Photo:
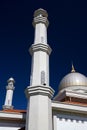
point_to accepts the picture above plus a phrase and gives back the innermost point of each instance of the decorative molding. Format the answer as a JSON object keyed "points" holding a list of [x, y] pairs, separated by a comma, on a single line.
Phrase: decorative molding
{"points": [[12, 116], [40, 11], [10, 87], [40, 19], [40, 16], [7, 107], [70, 93], [40, 47], [39, 90], [70, 108]]}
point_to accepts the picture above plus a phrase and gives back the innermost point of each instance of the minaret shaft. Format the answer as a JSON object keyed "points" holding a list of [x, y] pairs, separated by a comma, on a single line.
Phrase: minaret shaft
{"points": [[40, 68], [40, 51], [42, 113], [40, 33], [8, 100]]}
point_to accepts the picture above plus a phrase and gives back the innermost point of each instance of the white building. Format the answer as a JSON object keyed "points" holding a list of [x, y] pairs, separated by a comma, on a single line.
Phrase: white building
{"points": [[67, 110]]}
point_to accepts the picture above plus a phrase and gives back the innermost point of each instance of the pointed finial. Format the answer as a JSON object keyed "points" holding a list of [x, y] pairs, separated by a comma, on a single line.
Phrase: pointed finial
{"points": [[73, 69]]}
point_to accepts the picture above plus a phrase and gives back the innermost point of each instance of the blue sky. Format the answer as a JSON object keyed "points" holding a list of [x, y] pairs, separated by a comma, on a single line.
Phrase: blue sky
{"points": [[67, 36]]}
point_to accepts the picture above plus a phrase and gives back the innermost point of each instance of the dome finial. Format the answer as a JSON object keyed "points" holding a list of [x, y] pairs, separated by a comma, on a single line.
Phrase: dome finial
{"points": [[73, 69]]}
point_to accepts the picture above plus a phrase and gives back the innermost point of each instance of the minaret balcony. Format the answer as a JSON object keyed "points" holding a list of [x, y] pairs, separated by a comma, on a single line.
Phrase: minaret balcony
{"points": [[40, 47], [40, 19]]}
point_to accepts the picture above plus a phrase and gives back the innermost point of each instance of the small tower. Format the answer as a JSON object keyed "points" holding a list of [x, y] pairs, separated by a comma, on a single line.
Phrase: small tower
{"points": [[9, 94], [39, 93]]}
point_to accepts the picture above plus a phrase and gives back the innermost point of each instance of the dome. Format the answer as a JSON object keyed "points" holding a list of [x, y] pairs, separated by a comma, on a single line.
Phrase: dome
{"points": [[73, 79], [11, 80]]}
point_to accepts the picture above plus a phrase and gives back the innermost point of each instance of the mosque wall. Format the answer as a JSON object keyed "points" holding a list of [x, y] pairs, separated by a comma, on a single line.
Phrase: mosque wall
{"points": [[69, 122], [10, 126]]}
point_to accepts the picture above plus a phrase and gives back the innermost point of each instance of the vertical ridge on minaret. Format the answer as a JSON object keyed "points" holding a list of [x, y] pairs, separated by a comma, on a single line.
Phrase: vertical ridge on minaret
{"points": [[9, 94]]}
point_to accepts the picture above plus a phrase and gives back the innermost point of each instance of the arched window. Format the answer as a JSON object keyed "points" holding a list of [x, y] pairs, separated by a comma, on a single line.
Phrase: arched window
{"points": [[43, 78]]}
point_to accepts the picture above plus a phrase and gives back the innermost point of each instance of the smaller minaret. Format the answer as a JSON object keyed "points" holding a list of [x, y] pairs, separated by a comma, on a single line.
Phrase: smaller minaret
{"points": [[9, 94]]}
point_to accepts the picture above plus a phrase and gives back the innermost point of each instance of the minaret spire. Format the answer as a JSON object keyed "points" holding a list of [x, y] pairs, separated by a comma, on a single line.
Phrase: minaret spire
{"points": [[9, 94], [39, 93]]}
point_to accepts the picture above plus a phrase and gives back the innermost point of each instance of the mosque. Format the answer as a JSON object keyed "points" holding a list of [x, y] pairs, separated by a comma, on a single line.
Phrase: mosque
{"points": [[66, 111]]}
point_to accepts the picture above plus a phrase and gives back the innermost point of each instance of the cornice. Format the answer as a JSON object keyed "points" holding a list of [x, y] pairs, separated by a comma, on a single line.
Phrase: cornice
{"points": [[40, 47], [70, 108], [40, 19], [70, 93], [39, 90], [10, 87]]}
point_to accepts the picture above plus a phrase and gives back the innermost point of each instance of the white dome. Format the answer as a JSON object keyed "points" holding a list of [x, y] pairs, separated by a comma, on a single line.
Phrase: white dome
{"points": [[73, 79], [11, 80]]}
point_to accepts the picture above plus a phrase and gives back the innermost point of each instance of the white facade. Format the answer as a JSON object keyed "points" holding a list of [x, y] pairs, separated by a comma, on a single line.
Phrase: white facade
{"points": [[10, 120], [68, 109], [69, 116], [71, 122]]}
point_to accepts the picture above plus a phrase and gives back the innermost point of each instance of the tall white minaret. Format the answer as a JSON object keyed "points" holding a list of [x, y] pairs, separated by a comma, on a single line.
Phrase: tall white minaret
{"points": [[9, 94], [39, 93], [40, 50]]}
